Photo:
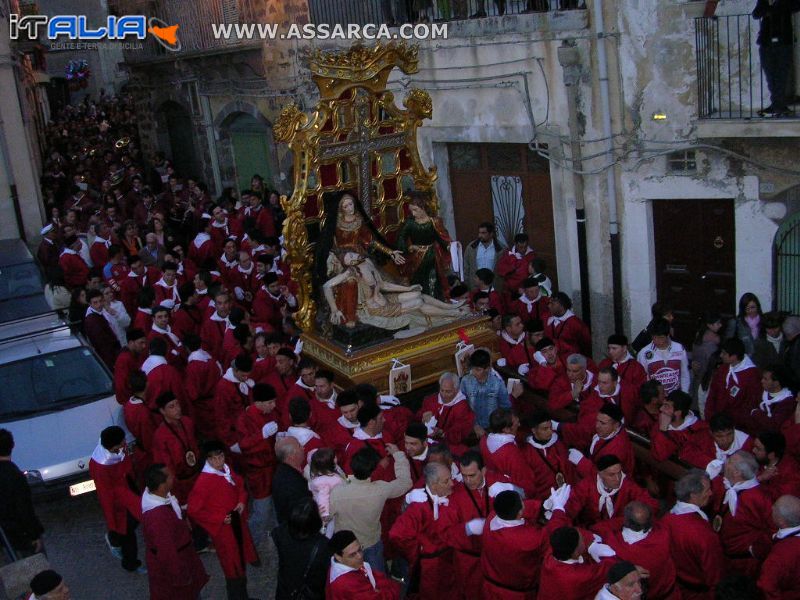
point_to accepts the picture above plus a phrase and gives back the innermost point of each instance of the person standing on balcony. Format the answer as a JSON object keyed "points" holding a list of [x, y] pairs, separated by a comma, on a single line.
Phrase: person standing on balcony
{"points": [[775, 38]]}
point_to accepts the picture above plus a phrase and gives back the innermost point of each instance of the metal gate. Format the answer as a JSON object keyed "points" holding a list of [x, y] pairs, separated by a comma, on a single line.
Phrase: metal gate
{"points": [[787, 267]]}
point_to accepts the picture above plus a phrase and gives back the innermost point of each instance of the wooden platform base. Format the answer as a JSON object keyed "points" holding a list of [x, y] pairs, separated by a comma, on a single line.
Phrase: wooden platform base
{"points": [[429, 354]]}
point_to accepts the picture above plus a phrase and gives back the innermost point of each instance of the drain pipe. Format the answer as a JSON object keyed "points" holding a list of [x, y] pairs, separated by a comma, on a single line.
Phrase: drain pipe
{"points": [[611, 181], [570, 60]]}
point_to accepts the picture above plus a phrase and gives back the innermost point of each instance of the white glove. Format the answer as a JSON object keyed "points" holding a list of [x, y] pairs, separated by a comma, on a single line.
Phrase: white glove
{"points": [[431, 425], [298, 347], [475, 526], [501, 362], [558, 498], [500, 486], [539, 358], [239, 293], [598, 550], [523, 369], [418, 495], [575, 456], [235, 448], [555, 425], [714, 468], [269, 429]]}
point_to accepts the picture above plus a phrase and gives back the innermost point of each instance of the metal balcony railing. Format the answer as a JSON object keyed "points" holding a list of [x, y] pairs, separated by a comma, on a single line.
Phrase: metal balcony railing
{"points": [[730, 83], [392, 12]]}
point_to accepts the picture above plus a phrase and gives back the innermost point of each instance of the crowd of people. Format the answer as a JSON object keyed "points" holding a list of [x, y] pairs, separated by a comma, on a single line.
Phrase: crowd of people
{"points": [[520, 479]]}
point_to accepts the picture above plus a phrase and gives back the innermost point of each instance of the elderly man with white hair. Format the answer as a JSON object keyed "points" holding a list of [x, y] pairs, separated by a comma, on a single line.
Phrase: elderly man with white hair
{"points": [[447, 414], [780, 573], [743, 514]]}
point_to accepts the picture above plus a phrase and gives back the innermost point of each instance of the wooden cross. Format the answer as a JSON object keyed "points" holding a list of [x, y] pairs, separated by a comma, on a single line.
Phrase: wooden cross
{"points": [[361, 148]]}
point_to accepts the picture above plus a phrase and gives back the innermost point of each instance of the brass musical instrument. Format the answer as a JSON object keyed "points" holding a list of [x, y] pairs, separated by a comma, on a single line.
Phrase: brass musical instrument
{"points": [[122, 142]]}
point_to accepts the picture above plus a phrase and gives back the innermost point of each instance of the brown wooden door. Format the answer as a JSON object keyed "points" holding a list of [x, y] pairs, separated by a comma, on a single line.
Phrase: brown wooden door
{"points": [[471, 169], [695, 260]]}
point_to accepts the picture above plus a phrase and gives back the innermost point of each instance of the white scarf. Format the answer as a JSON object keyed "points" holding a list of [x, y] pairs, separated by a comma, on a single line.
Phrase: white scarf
{"points": [[242, 271], [746, 363], [168, 332], [104, 457], [442, 404], [172, 288], [589, 380], [68, 251], [135, 400], [768, 400], [437, 502], [151, 501], [228, 264], [495, 441], [606, 497], [330, 402], [200, 239], [513, 252], [207, 468], [387, 402], [497, 523], [200, 356], [360, 434], [338, 569], [346, 424], [572, 561], [689, 420], [739, 439], [216, 224], [528, 302], [147, 311], [605, 594], [300, 383], [532, 441], [511, 340], [153, 361], [215, 317], [301, 434], [732, 492], [775, 341], [686, 508], [626, 359], [631, 537], [422, 456], [554, 320], [244, 386], [786, 532], [98, 239], [612, 395], [103, 313], [596, 439]]}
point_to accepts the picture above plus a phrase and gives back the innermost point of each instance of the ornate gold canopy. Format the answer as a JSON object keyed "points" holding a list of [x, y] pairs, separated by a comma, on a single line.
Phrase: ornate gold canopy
{"points": [[355, 139]]}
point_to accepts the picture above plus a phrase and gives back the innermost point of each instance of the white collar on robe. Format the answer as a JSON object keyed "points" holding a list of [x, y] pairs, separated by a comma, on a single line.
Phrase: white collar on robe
{"points": [[631, 537], [229, 264], [497, 523], [605, 593], [338, 569], [207, 468], [510, 340], [200, 239], [611, 395], [104, 457], [360, 434], [767, 400], [458, 398], [167, 332], [528, 302], [347, 424], [300, 383], [626, 359], [153, 361], [244, 386], [495, 441], [596, 438], [689, 420], [532, 441], [554, 320], [199, 355], [151, 501], [606, 500], [745, 363], [685, 508], [301, 434], [739, 439], [732, 492]]}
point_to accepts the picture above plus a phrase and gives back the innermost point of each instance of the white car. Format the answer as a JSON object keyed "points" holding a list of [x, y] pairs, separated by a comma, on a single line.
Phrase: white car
{"points": [[56, 396]]}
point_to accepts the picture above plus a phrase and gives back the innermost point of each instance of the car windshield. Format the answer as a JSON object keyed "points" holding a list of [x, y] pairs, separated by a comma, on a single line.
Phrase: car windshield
{"points": [[48, 382], [20, 280]]}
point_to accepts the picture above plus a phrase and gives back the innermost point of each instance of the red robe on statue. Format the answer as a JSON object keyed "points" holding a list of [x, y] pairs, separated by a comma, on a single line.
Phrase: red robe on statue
{"points": [[212, 499], [174, 570]]}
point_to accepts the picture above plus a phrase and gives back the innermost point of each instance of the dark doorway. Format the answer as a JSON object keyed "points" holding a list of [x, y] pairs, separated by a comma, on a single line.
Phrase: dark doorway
{"points": [[481, 172], [178, 125], [695, 250]]}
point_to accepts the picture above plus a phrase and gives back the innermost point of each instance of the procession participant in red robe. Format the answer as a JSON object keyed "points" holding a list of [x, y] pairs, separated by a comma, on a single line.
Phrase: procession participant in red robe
{"points": [[143, 317], [651, 399], [630, 371], [242, 279], [606, 495], [569, 572], [340, 433], [581, 378], [202, 375], [201, 250], [370, 433], [501, 453], [547, 373], [547, 456], [447, 415], [779, 578], [212, 331], [485, 296], [228, 260], [265, 347], [97, 326], [175, 445], [218, 503], [532, 304], [98, 251], [309, 440], [396, 416], [416, 534], [176, 353], [48, 252], [202, 282], [416, 449], [607, 391], [709, 449], [570, 334], [262, 216], [777, 400], [282, 378], [138, 277], [676, 428], [231, 397], [76, 271], [130, 359], [255, 431], [224, 227], [736, 386], [303, 387], [351, 577], [625, 582], [648, 544], [514, 545], [271, 301], [174, 570], [166, 288], [742, 514], [513, 342], [513, 264], [188, 317], [694, 545], [116, 271], [163, 377], [141, 422], [610, 439], [779, 473], [324, 411], [112, 473]]}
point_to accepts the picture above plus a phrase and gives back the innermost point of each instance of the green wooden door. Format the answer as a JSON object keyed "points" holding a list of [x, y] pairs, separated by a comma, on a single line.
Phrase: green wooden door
{"points": [[787, 271], [250, 150]]}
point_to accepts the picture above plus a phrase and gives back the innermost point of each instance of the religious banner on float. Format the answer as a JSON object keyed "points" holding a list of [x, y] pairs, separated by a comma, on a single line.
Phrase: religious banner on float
{"points": [[463, 352], [399, 378]]}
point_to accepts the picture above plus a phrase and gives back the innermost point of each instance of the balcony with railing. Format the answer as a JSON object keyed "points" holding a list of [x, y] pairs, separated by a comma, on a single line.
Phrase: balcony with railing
{"points": [[733, 98]]}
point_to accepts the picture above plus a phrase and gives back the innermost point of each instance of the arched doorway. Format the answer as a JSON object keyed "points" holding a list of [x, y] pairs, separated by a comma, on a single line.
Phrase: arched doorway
{"points": [[177, 139], [250, 146], [787, 265]]}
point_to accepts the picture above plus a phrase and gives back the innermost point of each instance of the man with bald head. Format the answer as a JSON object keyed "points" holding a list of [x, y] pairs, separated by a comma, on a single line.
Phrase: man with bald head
{"points": [[780, 573], [288, 484]]}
